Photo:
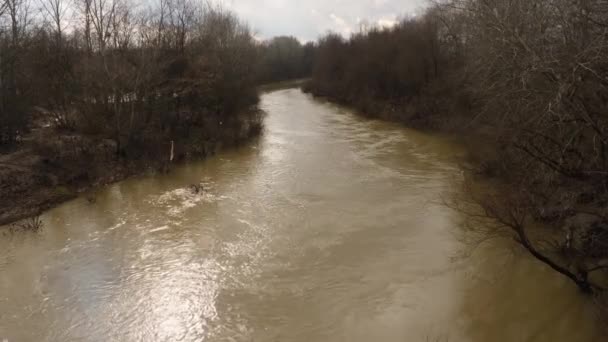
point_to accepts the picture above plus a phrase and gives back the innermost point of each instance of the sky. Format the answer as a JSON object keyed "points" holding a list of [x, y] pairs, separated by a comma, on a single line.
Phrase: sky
{"points": [[309, 19]]}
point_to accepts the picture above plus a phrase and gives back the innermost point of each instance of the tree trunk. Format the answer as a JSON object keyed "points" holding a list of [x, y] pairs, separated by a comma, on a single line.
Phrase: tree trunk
{"points": [[581, 281]]}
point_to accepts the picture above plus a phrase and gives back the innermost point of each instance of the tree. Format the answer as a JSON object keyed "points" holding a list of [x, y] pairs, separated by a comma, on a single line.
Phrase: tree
{"points": [[14, 110], [538, 71], [285, 58]]}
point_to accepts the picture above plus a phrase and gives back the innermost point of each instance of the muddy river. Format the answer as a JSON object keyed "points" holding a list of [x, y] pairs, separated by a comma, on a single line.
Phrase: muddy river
{"points": [[329, 227]]}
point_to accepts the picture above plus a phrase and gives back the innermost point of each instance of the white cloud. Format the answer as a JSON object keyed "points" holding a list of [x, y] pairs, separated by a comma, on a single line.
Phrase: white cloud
{"points": [[387, 23], [308, 19], [340, 25]]}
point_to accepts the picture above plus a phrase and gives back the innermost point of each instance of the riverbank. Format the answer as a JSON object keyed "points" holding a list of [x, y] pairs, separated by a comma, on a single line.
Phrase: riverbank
{"points": [[297, 83], [51, 166], [422, 112]]}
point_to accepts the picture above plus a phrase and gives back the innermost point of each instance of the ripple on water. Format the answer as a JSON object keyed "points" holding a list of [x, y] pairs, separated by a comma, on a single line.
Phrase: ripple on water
{"points": [[177, 201]]}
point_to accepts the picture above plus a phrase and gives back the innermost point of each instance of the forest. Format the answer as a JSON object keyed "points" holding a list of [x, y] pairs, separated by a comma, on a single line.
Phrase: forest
{"points": [[525, 85]]}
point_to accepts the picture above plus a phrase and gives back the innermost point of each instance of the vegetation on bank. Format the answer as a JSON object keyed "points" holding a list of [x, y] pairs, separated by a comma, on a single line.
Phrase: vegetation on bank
{"points": [[134, 78], [529, 79], [285, 58], [93, 91]]}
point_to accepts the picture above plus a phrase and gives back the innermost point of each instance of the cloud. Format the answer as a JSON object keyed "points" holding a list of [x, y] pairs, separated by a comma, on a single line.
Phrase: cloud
{"points": [[387, 23], [341, 25], [310, 19]]}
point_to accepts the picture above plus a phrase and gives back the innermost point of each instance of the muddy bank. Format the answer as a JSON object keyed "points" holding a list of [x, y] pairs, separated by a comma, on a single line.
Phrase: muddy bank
{"points": [[30, 185], [50, 167]]}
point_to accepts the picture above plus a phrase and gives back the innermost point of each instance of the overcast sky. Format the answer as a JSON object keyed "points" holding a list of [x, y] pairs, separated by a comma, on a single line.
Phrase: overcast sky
{"points": [[308, 19]]}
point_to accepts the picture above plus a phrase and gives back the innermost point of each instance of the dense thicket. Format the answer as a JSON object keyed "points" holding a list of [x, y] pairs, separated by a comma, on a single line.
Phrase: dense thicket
{"points": [[530, 80], [131, 77], [390, 72], [285, 58]]}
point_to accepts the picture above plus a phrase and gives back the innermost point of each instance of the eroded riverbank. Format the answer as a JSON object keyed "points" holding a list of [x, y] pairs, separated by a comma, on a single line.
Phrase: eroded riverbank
{"points": [[52, 166], [329, 228]]}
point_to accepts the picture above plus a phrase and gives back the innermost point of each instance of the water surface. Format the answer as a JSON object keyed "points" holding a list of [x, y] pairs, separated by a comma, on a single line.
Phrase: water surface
{"points": [[329, 228]]}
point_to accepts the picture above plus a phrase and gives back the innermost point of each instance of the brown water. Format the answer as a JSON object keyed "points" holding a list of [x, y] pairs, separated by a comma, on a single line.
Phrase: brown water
{"points": [[326, 229]]}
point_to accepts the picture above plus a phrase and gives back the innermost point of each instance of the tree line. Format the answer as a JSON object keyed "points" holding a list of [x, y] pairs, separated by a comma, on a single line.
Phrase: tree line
{"points": [[527, 79], [134, 76], [285, 58]]}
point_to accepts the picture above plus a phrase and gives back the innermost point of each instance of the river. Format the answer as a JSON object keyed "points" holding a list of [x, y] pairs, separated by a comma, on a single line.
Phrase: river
{"points": [[329, 227]]}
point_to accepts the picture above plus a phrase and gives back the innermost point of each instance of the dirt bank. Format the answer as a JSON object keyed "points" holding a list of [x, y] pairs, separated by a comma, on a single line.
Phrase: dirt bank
{"points": [[49, 167]]}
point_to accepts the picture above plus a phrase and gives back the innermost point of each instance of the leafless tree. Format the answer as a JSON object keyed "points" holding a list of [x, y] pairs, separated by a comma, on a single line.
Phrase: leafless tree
{"points": [[57, 11]]}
